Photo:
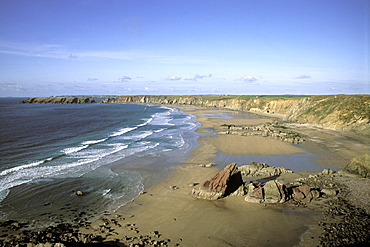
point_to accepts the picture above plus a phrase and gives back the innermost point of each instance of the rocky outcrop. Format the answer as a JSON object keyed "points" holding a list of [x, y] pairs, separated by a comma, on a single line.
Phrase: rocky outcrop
{"points": [[274, 130], [275, 191], [229, 183], [271, 192], [262, 170], [220, 185], [59, 100], [359, 165]]}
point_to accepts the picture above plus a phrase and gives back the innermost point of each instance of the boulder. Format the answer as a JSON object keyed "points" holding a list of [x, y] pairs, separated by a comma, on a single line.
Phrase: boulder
{"points": [[329, 192], [275, 192], [272, 191], [304, 193], [256, 196], [359, 165], [327, 172], [220, 185], [226, 181], [262, 170], [79, 193]]}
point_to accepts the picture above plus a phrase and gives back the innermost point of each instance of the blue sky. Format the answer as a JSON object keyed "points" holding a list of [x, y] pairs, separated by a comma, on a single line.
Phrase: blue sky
{"points": [[59, 47]]}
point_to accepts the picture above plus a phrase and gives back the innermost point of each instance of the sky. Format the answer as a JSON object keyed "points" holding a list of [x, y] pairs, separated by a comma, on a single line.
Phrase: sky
{"points": [[184, 47]]}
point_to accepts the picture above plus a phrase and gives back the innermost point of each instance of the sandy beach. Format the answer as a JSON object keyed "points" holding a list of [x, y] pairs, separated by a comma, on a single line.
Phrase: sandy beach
{"points": [[166, 213], [169, 209]]}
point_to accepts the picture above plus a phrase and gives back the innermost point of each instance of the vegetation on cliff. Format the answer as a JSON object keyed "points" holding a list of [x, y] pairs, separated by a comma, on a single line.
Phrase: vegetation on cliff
{"points": [[58, 100], [339, 112]]}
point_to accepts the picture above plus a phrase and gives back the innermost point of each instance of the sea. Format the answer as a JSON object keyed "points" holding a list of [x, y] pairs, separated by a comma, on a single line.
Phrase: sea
{"points": [[109, 152]]}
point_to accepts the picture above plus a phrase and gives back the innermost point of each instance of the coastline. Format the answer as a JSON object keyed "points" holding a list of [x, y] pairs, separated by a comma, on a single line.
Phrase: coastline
{"points": [[167, 212], [169, 209]]}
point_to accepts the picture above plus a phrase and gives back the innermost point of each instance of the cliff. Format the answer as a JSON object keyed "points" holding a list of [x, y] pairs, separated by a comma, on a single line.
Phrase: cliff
{"points": [[338, 112], [58, 100], [261, 104]]}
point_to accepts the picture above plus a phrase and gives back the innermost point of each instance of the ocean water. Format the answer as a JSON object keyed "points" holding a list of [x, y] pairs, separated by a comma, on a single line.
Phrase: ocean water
{"points": [[110, 152]]}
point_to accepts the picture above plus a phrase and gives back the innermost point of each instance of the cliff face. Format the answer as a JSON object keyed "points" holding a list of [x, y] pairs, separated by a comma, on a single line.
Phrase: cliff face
{"points": [[277, 105], [338, 112], [59, 100]]}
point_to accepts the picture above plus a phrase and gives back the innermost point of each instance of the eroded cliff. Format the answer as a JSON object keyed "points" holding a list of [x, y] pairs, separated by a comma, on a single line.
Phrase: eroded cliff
{"points": [[338, 112]]}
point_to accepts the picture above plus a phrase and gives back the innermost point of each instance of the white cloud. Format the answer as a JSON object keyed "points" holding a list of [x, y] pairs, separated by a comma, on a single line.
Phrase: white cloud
{"points": [[249, 78], [173, 78], [6, 86], [198, 77]]}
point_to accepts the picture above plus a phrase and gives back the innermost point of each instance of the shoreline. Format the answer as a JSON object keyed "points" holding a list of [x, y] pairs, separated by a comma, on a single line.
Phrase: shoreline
{"points": [[177, 215], [167, 213]]}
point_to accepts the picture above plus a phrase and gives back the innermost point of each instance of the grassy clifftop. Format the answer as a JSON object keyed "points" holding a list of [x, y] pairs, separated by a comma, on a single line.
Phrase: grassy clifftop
{"points": [[340, 112]]}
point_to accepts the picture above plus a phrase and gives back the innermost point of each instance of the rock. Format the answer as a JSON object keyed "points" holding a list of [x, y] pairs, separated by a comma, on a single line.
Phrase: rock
{"points": [[220, 185], [226, 181], [327, 172], [209, 165], [59, 245], [304, 193], [79, 193], [206, 194], [262, 170], [249, 187], [359, 165], [271, 192], [275, 192], [241, 191], [256, 196], [329, 192]]}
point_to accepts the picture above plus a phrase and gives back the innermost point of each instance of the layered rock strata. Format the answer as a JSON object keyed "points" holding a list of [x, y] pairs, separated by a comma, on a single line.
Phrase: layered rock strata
{"points": [[220, 185]]}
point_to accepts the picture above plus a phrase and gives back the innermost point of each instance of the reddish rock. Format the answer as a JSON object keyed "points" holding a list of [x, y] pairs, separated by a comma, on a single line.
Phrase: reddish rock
{"points": [[297, 195], [305, 189], [256, 196], [226, 181]]}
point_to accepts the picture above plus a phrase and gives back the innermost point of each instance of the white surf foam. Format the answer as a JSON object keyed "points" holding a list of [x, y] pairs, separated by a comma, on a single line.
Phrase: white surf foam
{"points": [[73, 149], [93, 141], [17, 168], [123, 131]]}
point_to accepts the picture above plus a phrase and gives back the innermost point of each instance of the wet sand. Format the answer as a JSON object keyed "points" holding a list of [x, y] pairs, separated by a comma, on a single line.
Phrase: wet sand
{"points": [[169, 208]]}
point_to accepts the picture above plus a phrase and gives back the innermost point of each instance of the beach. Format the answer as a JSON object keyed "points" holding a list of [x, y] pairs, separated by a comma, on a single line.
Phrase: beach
{"points": [[166, 213], [169, 209]]}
